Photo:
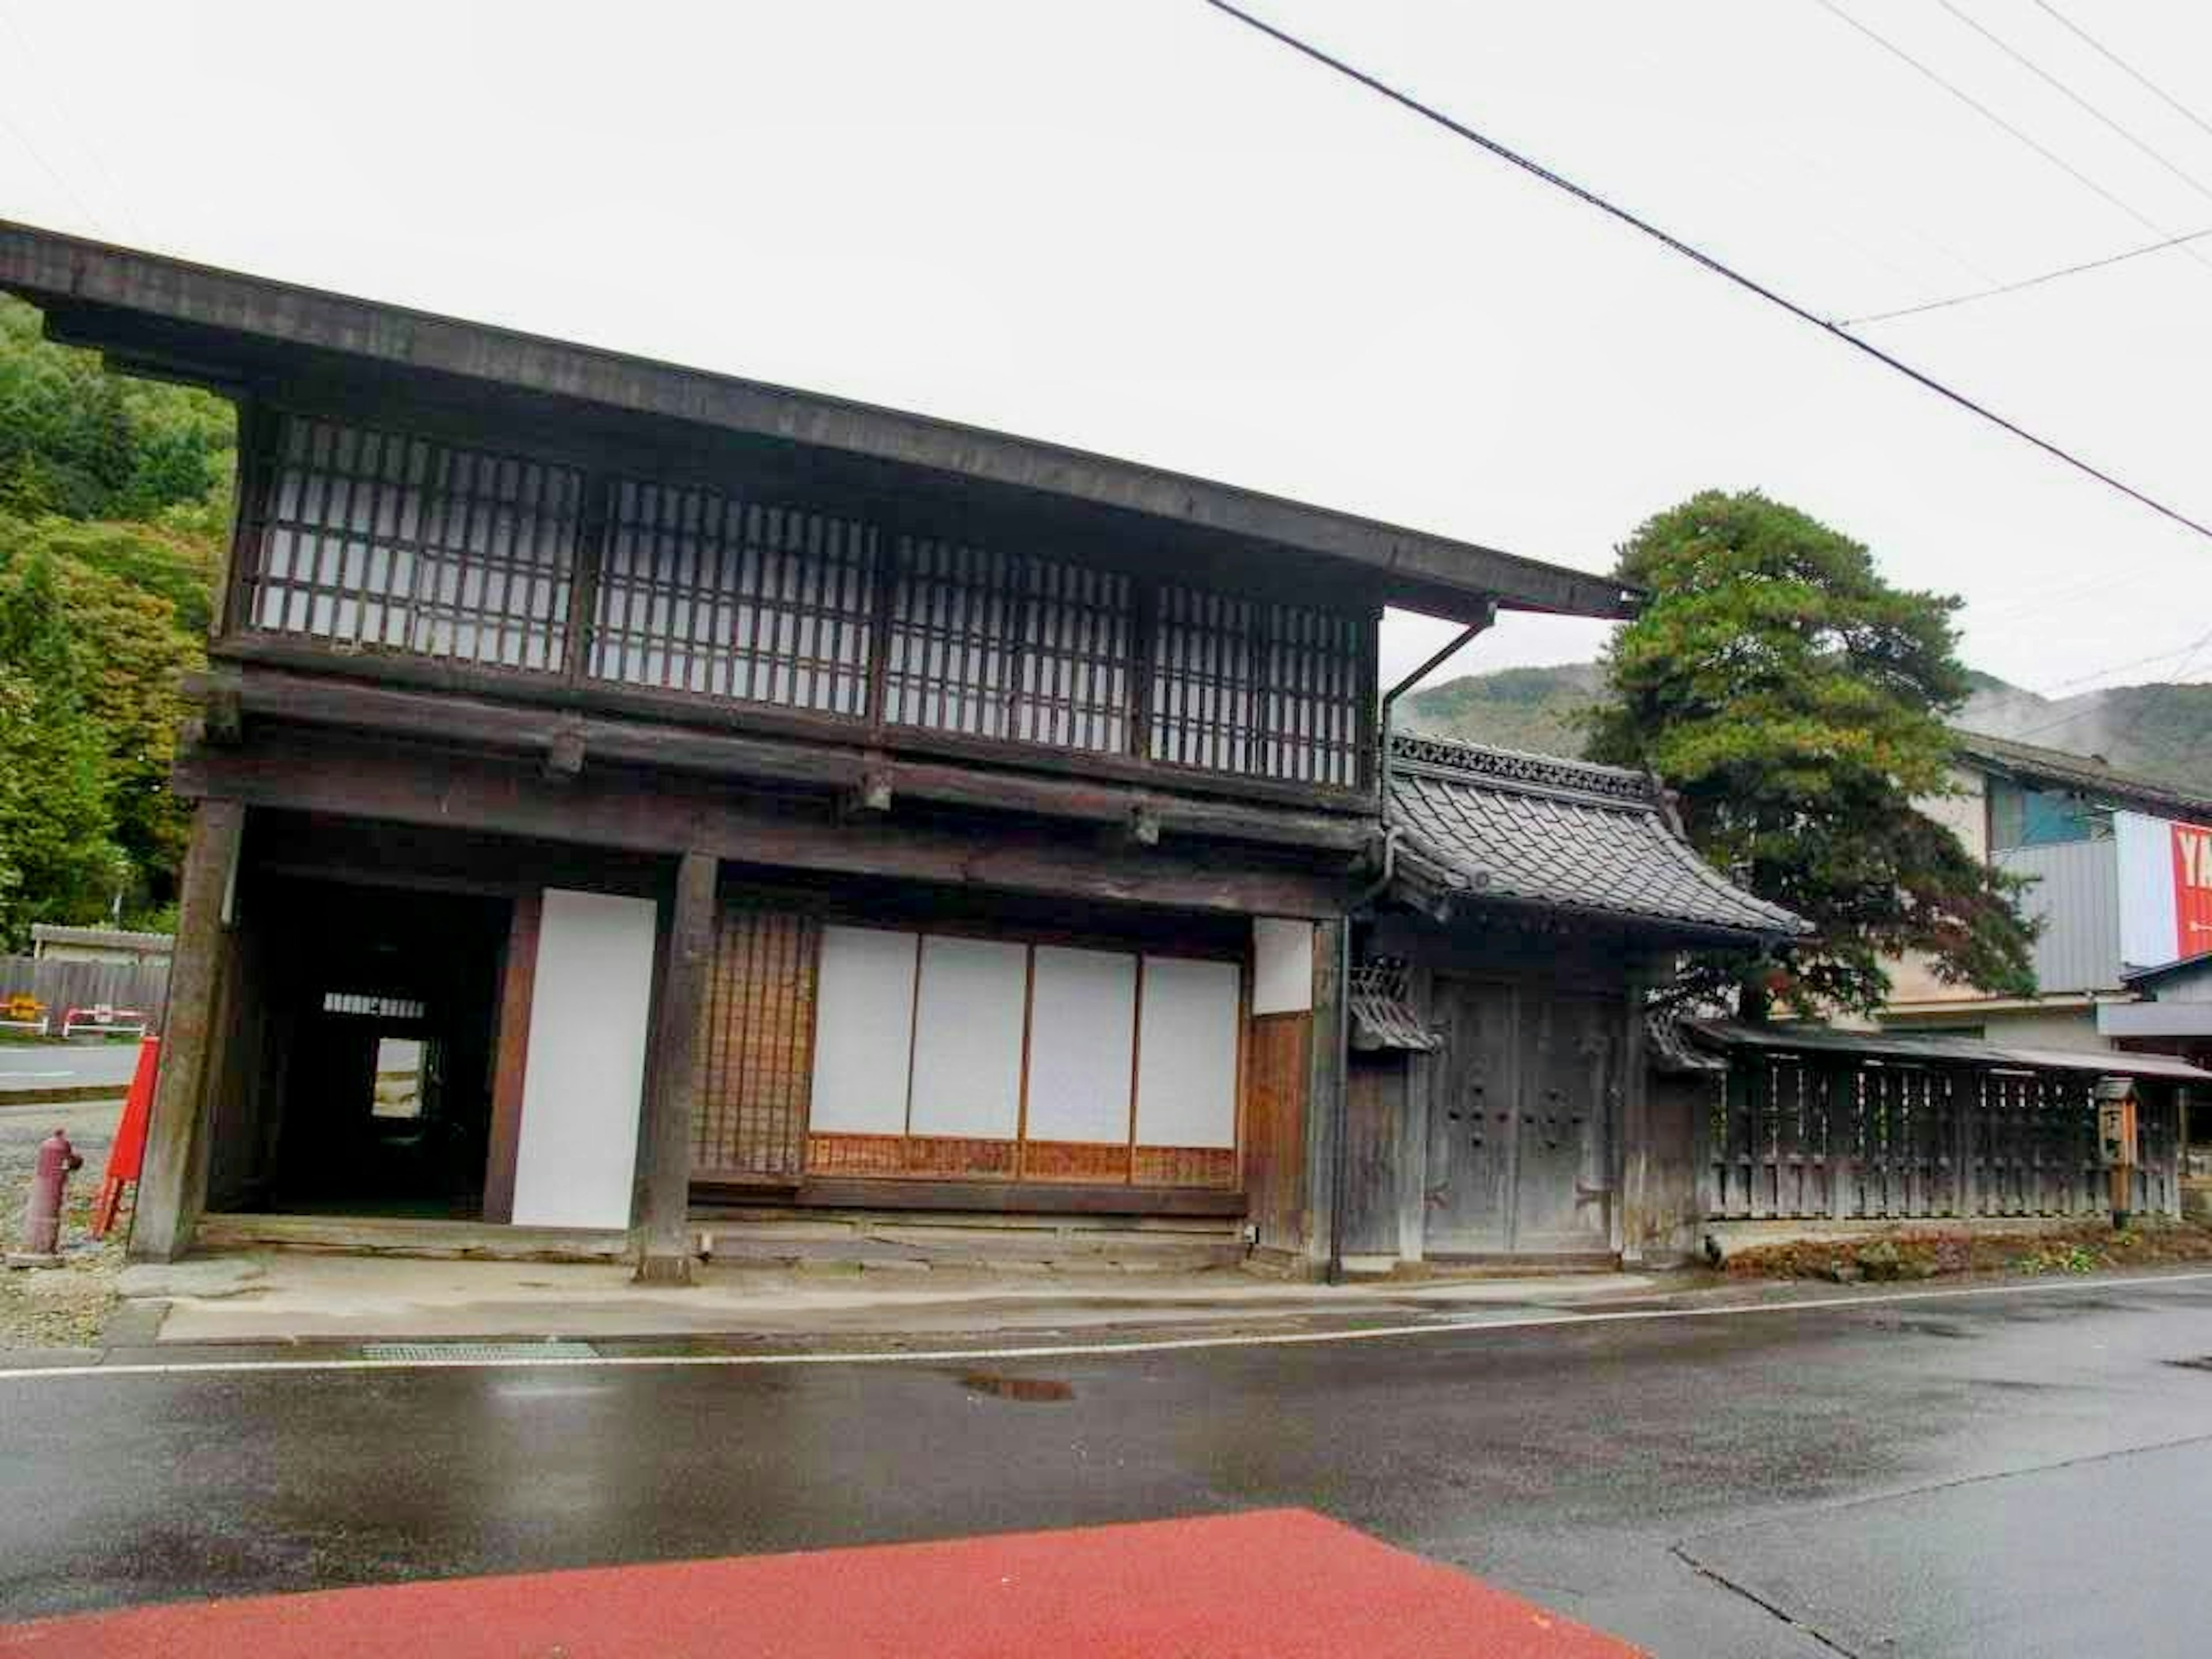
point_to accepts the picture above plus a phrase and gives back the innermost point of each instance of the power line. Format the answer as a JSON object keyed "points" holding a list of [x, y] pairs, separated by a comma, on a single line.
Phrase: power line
{"points": [[99, 161], [2075, 98], [1990, 115], [1428, 113], [2027, 282], [53, 173], [2122, 667], [2159, 693], [2124, 66]]}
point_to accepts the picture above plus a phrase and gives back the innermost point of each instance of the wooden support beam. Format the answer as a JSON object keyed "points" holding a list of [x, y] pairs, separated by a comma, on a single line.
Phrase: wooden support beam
{"points": [[564, 753], [651, 812], [1324, 1083], [855, 766], [172, 1188], [518, 976], [664, 1254]]}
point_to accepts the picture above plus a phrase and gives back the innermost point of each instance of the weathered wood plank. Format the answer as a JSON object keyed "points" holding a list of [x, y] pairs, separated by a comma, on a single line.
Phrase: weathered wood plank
{"points": [[1324, 1081], [171, 1188], [840, 763], [519, 974], [856, 1192], [664, 1254], [618, 808]]}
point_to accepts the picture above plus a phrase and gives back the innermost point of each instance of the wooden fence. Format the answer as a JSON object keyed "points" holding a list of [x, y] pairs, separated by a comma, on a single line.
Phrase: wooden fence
{"points": [[142, 988], [1806, 1136]]}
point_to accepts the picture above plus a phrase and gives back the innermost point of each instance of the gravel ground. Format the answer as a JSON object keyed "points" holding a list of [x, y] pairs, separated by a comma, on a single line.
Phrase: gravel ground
{"points": [[62, 1307]]}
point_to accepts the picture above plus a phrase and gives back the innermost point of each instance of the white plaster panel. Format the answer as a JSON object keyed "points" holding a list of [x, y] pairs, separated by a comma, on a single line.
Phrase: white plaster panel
{"points": [[2149, 923], [1282, 966], [1083, 1034], [968, 1039], [1187, 1053], [591, 1009], [863, 1031]]}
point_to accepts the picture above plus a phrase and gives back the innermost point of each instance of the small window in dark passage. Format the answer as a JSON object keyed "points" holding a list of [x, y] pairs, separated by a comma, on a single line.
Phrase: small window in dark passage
{"points": [[400, 1064]]}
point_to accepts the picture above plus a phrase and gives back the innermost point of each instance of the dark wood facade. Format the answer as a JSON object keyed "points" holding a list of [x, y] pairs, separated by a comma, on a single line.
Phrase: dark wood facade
{"points": [[728, 717]]}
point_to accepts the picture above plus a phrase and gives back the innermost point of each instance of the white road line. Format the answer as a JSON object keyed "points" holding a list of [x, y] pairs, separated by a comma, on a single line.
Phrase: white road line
{"points": [[1081, 1350]]}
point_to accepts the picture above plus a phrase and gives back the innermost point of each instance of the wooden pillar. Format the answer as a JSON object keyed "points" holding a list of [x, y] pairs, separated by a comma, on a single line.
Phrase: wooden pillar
{"points": [[1632, 1134], [1324, 1079], [664, 1253], [518, 977], [1410, 1156], [173, 1184]]}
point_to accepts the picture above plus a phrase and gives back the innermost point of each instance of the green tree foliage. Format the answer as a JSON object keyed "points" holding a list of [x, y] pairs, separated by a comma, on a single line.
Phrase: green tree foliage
{"points": [[114, 499], [1796, 703], [57, 821], [82, 443]]}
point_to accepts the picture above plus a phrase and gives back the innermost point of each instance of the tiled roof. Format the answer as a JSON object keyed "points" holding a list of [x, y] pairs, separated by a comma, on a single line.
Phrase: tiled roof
{"points": [[1562, 833], [2087, 773]]}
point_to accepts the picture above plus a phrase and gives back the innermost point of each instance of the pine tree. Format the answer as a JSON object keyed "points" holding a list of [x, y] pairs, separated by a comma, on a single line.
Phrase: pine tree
{"points": [[1795, 701]]}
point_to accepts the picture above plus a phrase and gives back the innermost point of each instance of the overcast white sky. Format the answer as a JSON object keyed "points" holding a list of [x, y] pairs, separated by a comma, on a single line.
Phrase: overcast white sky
{"points": [[1139, 228]]}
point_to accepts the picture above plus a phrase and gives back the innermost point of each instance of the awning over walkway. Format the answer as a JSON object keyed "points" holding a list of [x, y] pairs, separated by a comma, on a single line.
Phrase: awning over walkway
{"points": [[1792, 1038], [1496, 826]]}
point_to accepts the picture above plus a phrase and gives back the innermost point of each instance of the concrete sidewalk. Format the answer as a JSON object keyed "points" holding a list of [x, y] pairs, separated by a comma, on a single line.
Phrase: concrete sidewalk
{"points": [[259, 1298]]}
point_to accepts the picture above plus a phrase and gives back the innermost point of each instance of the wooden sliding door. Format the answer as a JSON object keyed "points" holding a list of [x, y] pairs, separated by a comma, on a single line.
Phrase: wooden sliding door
{"points": [[839, 1050]]}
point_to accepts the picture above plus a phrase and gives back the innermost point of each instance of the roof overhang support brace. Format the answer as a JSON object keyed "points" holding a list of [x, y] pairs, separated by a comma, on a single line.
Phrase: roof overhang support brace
{"points": [[1390, 697]]}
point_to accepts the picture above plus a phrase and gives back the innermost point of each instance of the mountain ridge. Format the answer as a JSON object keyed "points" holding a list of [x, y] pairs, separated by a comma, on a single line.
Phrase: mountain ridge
{"points": [[2163, 730]]}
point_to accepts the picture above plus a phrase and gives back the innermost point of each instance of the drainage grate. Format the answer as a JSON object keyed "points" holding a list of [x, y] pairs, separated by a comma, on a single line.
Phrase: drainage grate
{"points": [[479, 1352]]}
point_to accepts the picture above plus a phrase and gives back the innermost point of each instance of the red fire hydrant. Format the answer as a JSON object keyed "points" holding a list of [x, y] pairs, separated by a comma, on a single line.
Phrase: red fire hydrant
{"points": [[42, 1216]]}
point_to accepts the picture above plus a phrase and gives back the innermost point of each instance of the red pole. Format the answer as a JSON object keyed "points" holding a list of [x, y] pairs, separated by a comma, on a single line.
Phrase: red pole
{"points": [[128, 1155]]}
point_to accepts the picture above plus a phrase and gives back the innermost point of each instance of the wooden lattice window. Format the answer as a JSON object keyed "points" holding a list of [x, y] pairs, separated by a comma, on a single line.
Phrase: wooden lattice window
{"points": [[1245, 685], [750, 1119], [989, 644], [952, 638], [1312, 704], [1203, 691], [382, 541], [705, 593], [1072, 688]]}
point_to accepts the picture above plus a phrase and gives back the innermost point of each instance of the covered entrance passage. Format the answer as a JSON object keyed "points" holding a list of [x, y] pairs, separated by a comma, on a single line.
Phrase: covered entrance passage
{"points": [[1526, 1102], [373, 1070]]}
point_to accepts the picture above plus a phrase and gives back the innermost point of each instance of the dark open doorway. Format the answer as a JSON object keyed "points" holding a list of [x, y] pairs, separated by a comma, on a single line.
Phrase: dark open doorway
{"points": [[382, 1039]]}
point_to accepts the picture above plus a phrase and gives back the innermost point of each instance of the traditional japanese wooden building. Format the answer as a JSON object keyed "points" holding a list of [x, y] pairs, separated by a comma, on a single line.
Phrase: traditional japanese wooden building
{"points": [[627, 794]]}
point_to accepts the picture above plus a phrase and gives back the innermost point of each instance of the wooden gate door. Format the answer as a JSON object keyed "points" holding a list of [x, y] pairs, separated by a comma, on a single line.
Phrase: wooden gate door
{"points": [[1469, 1200], [1563, 1142], [1527, 1093]]}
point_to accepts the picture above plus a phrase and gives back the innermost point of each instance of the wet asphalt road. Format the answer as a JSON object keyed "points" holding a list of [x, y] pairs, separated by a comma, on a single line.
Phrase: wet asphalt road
{"points": [[1988, 1474], [30, 1068]]}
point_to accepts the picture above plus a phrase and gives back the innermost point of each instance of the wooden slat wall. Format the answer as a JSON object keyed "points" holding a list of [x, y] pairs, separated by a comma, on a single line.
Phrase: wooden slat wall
{"points": [[758, 1046], [1816, 1137]]}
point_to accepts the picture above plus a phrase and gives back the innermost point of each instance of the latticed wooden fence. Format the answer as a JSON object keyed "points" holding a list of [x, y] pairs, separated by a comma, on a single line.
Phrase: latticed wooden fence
{"points": [[1846, 1138]]}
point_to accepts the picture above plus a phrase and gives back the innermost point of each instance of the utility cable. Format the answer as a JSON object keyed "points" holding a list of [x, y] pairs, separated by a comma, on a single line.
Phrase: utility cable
{"points": [[1990, 115], [1430, 112], [2026, 282], [2124, 66], [2075, 98]]}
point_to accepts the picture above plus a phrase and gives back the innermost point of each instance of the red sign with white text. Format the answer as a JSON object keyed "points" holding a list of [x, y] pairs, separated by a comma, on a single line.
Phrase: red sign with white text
{"points": [[2193, 890]]}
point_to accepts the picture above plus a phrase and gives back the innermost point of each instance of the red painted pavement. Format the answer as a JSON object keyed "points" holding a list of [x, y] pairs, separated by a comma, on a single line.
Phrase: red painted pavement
{"points": [[1285, 1583]]}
